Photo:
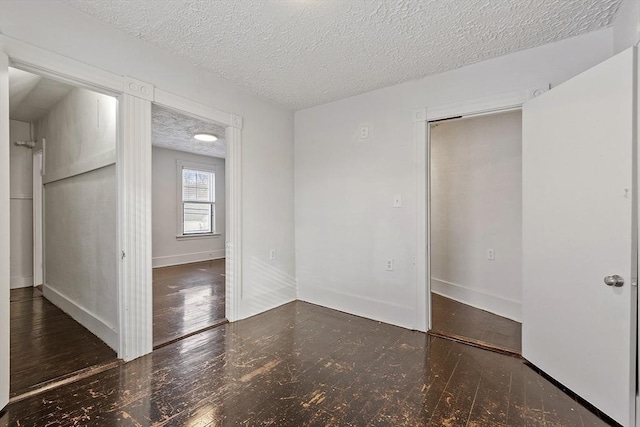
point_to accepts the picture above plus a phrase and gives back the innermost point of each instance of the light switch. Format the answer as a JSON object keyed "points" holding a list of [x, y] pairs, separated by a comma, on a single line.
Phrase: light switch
{"points": [[397, 201]]}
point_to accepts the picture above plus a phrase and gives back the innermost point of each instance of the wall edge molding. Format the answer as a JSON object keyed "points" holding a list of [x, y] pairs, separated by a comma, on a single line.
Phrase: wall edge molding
{"points": [[169, 260], [83, 316], [99, 161], [378, 310], [482, 300], [16, 282]]}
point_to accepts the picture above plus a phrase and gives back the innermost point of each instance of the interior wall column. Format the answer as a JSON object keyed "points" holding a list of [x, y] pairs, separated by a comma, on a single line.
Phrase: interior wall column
{"points": [[233, 200], [134, 198]]}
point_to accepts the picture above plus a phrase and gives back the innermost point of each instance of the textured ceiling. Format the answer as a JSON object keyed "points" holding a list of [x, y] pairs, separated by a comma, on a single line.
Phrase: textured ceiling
{"points": [[175, 131], [300, 53]]}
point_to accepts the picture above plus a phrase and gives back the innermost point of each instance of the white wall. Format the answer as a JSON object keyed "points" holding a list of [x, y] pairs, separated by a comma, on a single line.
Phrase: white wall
{"points": [[476, 205], [346, 226], [267, 134], [21, 165], [167, 249], [80, 254], [626, 27]]}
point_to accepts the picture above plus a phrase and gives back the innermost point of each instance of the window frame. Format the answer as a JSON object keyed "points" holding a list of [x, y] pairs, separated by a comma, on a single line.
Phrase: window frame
{"points": [[200, 167]]}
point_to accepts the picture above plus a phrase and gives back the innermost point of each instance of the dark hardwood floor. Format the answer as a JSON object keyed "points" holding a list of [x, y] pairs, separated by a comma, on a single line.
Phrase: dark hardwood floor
{"points": [[454, 318], [187, 298], [46, 343], [300, 365]]}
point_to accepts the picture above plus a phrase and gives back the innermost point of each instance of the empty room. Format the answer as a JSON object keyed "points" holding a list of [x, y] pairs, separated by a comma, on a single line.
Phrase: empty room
{"points": [[405, 213], [188, 225]]}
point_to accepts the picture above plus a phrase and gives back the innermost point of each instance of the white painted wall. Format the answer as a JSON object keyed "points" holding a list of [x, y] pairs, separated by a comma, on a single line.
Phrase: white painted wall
{"points": [[21, 165], [80, 210], [267, 134], [167, 249], [346, 226], [476, 205], [626, 27]]}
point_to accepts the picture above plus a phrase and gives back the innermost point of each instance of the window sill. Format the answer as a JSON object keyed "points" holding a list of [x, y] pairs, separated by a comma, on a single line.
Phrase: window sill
{"points": [[196, 236]]}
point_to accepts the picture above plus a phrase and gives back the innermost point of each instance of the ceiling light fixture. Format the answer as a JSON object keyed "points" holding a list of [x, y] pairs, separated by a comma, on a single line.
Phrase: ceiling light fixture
{"points": [[207, 137]]}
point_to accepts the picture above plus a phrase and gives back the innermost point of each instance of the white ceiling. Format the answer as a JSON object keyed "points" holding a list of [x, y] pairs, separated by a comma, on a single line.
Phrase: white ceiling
{"points": [[175, 131], [31, 96], [300, 53]]}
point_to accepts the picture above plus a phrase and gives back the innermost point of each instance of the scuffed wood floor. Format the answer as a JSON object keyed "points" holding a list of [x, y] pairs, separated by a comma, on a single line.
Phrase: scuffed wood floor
{"points": [[46, 343], [451, 317], [300, 365], [187, 298]]}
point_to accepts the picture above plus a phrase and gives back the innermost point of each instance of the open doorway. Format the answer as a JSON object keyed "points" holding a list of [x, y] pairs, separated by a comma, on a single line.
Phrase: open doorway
{"points": [[63, 297], [476, 229], [189, 225]]}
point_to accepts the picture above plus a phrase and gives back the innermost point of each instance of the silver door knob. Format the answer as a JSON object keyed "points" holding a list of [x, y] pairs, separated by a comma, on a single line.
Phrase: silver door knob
{"points": [[614, 280]]}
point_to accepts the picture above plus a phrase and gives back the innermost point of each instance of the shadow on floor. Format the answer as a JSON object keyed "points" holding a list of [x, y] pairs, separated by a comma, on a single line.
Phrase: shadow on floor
{"points": [[462, 321]]}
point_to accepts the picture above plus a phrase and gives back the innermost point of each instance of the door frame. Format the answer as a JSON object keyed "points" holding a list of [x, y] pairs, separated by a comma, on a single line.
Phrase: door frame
{"points": [[233, 190], [38, 217], [133, 165], [422, 119]]}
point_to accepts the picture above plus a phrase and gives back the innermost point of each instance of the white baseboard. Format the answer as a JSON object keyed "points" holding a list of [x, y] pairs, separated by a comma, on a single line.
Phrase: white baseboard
{"points": [[87, 319], [16, 282], [381, 311], [482, 300], [255, 305], [166, 261]]}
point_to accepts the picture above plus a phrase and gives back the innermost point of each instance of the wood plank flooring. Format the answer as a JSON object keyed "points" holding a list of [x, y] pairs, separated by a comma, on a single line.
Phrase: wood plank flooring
{"points": [[451, 317], [304, 365], [187, 298], [46, 343]]}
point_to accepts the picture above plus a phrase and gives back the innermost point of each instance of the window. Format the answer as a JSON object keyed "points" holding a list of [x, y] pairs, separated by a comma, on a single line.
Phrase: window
{"points": [[197, 188]]}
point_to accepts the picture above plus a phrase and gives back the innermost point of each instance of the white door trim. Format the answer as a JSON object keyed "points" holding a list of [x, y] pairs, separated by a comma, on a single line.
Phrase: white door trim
{"points": [[38, 250], [4, 227], [134, 180], [421, 118]]}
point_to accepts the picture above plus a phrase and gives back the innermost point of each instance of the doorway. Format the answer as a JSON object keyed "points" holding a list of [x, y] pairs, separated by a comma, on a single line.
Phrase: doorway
{"points": [[63, 297], [189, 225], [476, 229]]}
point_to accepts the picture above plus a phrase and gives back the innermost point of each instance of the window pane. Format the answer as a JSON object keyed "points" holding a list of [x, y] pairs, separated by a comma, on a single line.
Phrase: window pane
{"points": [[197, 218], [197, 186]]}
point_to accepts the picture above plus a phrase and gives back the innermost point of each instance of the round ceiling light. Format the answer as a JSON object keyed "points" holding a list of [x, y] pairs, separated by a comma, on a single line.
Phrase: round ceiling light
{"points": [[207, 137]]}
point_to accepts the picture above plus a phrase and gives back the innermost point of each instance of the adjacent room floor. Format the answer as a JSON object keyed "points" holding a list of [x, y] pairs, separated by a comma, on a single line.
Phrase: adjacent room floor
{"points": [[460, 320], [48, 344], [300, 365], [186, 299]]}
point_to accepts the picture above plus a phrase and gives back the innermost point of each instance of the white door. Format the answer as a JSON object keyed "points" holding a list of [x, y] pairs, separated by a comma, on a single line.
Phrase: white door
{"points": [[37, 219], [578, 214], [4, 229]]}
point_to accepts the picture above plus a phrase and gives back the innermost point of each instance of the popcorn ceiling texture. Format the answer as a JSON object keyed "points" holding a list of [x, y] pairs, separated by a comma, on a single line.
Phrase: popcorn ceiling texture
{"points": [[301, 53], [175, 131]]}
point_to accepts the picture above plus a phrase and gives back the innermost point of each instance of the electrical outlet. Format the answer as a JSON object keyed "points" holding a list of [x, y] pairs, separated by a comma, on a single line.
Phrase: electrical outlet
{"points": [[272, 254], [389, 264], [364, 132], [491, 254]]}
